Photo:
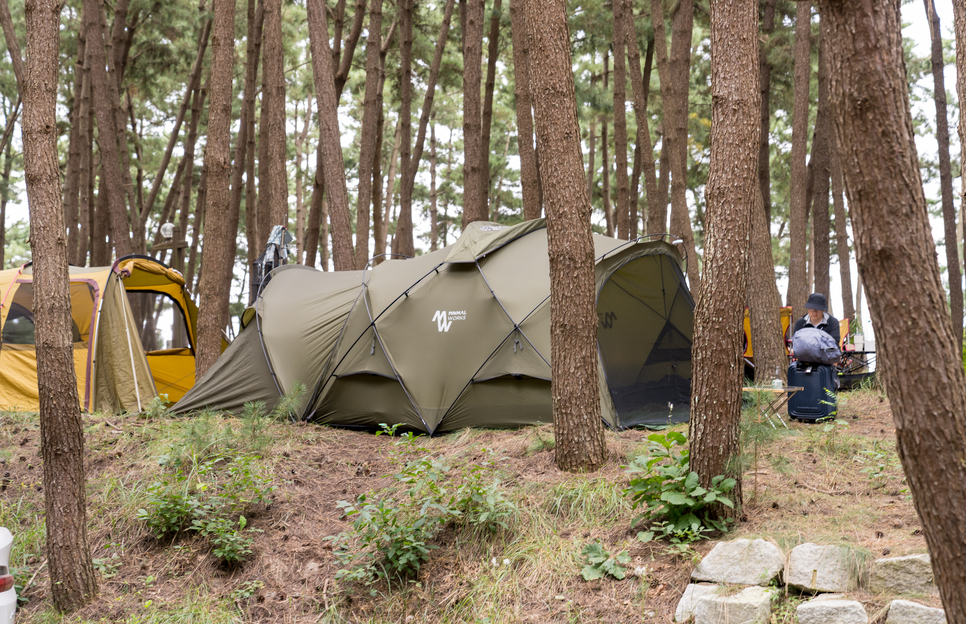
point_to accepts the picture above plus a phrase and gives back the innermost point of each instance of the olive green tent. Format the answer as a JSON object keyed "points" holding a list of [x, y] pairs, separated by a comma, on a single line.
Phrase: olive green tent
{"points": [[459, 337]]}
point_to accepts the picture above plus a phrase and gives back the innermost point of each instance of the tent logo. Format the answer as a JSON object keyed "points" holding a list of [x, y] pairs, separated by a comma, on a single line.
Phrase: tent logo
{"points": [[444, 320], [493, 228], [607, 320]]}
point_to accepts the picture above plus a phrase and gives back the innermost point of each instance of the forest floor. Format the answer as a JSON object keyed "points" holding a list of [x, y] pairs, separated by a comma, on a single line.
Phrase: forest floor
{"points": [[829, 483]]}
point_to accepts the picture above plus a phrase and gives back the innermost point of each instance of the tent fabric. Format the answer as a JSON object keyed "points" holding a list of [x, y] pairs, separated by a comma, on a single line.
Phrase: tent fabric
{"points": [[460, 337], [113, 371]]}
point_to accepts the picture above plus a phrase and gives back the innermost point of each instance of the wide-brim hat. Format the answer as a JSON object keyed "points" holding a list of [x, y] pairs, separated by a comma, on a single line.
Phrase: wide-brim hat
{"points": [[816, 301]]}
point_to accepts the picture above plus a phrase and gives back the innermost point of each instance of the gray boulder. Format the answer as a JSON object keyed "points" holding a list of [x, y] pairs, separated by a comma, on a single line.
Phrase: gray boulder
{"points": [[742, 562], [689, 600], [837, 611], [812, 567], [905, 612], [902, 575], [751, 606]]}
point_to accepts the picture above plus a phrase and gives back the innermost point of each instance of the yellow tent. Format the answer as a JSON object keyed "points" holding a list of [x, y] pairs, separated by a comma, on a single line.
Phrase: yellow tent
{"points": [[114, 371]]}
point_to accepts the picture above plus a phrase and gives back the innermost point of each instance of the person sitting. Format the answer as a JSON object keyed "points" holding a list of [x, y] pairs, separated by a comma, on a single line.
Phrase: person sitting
{"points": [[817, 316]]}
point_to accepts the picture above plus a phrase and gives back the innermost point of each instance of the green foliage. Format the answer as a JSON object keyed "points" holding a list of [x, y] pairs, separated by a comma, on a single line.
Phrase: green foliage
{"points": [[392, 529], [599, 563], [669, 490], [107, 566], [209, 499], [157, 407]]}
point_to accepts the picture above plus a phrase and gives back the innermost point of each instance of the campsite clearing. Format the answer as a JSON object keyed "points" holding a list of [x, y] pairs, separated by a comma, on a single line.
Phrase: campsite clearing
{"points": [[830, 483]]}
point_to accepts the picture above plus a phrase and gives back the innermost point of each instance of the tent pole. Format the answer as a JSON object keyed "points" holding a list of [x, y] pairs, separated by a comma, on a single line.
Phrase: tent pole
{"points": [[134, 373]]}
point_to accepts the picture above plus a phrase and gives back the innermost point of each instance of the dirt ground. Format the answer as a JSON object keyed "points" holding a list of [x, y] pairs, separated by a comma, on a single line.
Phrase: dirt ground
{"points": [[806, 486]]}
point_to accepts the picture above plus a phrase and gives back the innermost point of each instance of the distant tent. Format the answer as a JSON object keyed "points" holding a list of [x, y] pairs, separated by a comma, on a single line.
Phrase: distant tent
{"points": [[114, 371], [459, 337]]}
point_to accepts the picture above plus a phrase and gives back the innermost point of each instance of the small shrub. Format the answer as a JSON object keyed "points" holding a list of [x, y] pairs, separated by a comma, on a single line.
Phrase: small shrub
{"points": [[599, 563], [668, 489], [210, 500]]}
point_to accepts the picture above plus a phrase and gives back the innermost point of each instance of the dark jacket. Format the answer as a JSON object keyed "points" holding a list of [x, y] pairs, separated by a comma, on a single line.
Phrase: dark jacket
{"points": [[830, 326]]}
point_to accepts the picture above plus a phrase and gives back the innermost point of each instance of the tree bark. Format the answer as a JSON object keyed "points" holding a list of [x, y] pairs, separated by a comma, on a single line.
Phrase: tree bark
{"points": [[344, 59], [368, 135], [252, 54], [300, 216], [763, 297], [529, 176], [474, 159], [732, 178], [492, 52], [946, 176], [764, 156], [330, 148], [409, 163], [273, 179], [842, 235], [74, 149], [13, 45], [106, 98], [433, 226], [897, 264], [4, 198], [73, 582], [388, 196], [674, 76], [641, 85], [821, 170], [798, 206], [219, 250], [580, 444], [620, 121], [959, 18]]}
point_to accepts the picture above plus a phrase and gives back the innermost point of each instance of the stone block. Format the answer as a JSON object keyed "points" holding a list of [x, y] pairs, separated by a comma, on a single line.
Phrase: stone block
{"points": [[822, 568], [751, 606], [906, 612], [838, 611], [902, 575], [741, 562], [689, 600]]}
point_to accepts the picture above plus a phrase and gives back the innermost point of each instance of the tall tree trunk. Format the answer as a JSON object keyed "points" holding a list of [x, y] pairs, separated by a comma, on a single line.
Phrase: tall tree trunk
{"points": [[492, 52], [529, 176], [100, 230], [74, 149], [592, 151], [4, 198], [273, 179], [433, 225], [300, 216], [763, 296], [246, 124], [821, 170], [368, 141], [732, 179], [673, 73], [897, 262], [620, 122], [86, 192], [312, 235], [410, 163], [385, 210], [215, 281], [106, 99], [252, 55], [764, 157], [798, 206], [842, 235], [474, 159], [580, 444], [344, 58], [959, 17], [605, 173], [187, 189], [946, 176], [641, 85], [73, 582], [13, 45], [330, 148]]}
